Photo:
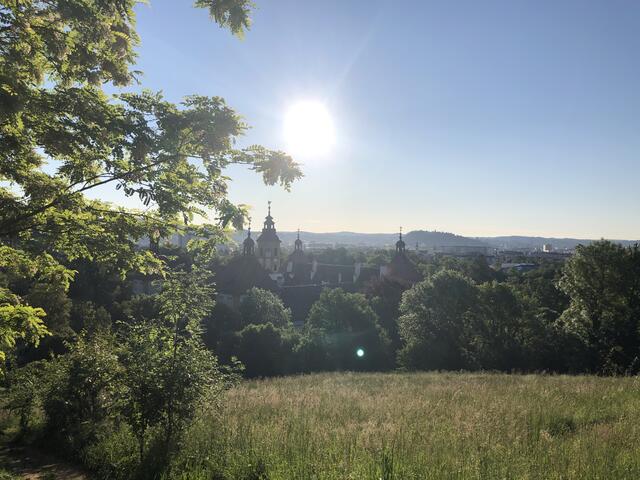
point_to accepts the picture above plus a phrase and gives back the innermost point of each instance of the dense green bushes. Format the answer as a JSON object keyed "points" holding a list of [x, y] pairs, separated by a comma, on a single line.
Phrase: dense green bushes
{"points": [[260, 334], [119, 400], [584, 317]]}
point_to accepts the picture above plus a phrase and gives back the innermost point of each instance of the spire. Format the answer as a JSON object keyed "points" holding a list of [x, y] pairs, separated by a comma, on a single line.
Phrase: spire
{"points": [[400, 245], [298, 243], [269, 224], [248, 245]]}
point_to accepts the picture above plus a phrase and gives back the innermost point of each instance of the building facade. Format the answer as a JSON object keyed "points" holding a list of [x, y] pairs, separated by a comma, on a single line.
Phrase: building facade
{"points": [[299, 279]]}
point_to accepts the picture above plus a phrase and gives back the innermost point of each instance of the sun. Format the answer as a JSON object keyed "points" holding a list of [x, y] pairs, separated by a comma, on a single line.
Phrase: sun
{"points": [[308, 129]]}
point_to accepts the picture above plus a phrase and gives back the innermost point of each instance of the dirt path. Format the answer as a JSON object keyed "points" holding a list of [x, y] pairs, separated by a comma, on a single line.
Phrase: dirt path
{"points": [[31, 464]]}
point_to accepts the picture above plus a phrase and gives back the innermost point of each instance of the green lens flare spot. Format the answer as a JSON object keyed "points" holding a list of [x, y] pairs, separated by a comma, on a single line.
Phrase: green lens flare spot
{"points": [[360, 352]]}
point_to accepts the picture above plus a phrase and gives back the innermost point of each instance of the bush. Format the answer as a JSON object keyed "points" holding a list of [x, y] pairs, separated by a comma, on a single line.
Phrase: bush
{"points": [[266, 350], [343, 325]]}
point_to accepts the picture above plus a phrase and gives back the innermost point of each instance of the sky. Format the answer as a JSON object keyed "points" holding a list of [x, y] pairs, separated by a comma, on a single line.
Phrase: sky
{"points": [[482, 118]]}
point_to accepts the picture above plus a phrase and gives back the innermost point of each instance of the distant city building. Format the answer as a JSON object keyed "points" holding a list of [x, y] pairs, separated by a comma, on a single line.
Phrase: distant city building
{"points": [[547, 248], [554, 255]]}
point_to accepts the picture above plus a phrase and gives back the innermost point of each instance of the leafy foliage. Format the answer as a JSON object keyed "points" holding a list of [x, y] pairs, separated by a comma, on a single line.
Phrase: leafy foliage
{"points": [[259, 306], [602, 283], [166, 366], [28, 284], [343, 323], [432, 320], [265, 350], [61, 135]]}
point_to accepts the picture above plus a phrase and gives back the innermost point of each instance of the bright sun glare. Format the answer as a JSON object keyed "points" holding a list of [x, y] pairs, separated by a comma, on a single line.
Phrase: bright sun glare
{"points": [[308, 129]]}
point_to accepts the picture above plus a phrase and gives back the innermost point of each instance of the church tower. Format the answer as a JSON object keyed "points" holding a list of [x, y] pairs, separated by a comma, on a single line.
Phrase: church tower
{"points": [[297, 245], [297, 256], [248, 246], [269, 245], [400, 245], [401, 269]]}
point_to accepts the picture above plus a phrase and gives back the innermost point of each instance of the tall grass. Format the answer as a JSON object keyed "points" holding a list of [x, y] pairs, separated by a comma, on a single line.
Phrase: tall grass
{"points": [[422, 426]]}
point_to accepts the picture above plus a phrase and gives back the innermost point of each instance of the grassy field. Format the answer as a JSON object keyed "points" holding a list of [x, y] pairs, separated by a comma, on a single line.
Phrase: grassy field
{"points": [[431, 425]]}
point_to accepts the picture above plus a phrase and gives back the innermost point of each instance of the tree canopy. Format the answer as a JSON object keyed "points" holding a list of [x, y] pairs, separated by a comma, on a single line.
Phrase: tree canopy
{"points": [[602, 281], [260, 306], [62, 135]]}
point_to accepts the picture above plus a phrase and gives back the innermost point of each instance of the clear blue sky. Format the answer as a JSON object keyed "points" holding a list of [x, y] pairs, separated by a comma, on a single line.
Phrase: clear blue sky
{"points": [[476, 117]]}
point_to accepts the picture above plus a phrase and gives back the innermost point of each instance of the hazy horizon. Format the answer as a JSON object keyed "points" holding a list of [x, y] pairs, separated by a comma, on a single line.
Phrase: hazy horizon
{"points": [[255, 229], [509, 119]]}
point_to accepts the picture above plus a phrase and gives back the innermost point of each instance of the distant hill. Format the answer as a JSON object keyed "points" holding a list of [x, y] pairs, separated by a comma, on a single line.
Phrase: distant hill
{"points": [[331, 238], [426, 239]]}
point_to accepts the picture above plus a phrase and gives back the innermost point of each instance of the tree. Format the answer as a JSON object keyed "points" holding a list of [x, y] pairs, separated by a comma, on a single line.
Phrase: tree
{"points": [[81, 391], [540, 287], [25, 279], [139, 143], [165, 367], [265, 350], [601, 281], [55, 57], [493, 331], [348, 330], [24, 393], [432, 321], [475, 268], [478, 270], [219, 327], [87, 317], [386, 295], [258, 307]]}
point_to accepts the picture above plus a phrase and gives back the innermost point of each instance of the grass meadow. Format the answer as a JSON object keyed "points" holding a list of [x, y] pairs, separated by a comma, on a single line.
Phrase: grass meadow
{"points": [[422, 426]]}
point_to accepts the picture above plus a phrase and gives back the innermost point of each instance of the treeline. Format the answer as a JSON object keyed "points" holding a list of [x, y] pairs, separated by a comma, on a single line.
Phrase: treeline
{"points": [[580, 317]]}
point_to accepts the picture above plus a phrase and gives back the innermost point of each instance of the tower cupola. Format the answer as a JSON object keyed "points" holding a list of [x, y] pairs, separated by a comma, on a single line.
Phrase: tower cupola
{"points": [[297, 245], [248, 246], [400, 245]]}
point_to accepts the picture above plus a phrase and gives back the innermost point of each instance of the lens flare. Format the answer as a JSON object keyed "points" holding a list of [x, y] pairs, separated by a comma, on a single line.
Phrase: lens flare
{"points": [[360, 353], [308, 129]]}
